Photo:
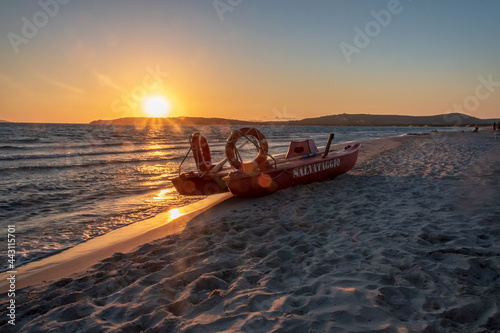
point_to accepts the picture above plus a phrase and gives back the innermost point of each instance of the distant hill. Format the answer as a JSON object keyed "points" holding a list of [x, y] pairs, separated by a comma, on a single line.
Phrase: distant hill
{"points": [[4, 121], [452, 119], [174, 121]]}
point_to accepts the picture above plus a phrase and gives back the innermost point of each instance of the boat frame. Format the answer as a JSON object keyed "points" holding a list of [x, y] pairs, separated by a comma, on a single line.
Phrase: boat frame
{"points": [[311, 168]]}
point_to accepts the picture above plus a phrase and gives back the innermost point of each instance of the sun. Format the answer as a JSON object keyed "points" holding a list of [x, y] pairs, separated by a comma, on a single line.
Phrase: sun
{"points": [[156, 106]]}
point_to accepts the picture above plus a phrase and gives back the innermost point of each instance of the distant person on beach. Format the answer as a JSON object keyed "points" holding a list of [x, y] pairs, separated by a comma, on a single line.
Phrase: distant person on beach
{"points": [[476, 129], [495, 126]]}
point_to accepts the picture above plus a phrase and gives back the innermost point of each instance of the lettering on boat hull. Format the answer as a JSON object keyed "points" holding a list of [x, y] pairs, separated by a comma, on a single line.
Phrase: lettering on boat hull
{"points": [[314, 168]]}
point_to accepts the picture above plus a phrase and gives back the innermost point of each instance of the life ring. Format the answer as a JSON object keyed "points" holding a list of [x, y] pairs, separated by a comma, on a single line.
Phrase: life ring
{"points": [[201, 152], [231, 151]]}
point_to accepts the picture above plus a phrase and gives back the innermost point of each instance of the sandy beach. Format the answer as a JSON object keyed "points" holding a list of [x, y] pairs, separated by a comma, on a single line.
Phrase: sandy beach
{"points": [[408, 241]]}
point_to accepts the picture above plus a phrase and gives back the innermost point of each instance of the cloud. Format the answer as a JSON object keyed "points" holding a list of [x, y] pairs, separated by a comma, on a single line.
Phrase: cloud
{"points": [[8, 81], [62, 85], [106, 81]]}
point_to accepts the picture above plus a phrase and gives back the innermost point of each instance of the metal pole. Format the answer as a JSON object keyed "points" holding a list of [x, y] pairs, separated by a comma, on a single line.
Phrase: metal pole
{"points": [[327, 149]]}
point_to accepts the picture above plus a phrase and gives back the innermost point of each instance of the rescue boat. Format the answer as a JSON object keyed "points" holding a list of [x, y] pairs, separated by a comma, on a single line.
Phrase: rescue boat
{"points": [[304, 163]]}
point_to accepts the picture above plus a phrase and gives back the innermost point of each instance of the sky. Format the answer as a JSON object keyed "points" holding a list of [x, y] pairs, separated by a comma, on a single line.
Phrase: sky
{"points": [[68, 61]]}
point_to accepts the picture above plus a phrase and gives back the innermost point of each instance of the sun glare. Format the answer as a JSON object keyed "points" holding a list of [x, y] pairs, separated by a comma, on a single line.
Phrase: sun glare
{"points": [[175, 213], [156, 106]]}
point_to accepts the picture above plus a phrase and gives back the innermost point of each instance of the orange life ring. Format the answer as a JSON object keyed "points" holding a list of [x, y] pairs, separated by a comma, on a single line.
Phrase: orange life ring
{"points": [[201, 151], [261, 156]]}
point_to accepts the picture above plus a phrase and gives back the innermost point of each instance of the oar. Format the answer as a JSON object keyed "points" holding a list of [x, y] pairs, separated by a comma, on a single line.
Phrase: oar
{"points": [[299, 157]]}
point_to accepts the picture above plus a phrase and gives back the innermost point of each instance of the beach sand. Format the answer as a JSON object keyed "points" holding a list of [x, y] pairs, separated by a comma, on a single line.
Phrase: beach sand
{"points": [[407, 241]]}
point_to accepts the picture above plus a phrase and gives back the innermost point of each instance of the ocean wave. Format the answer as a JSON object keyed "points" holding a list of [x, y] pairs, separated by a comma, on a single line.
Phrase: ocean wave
{"points": [[90, 164], [23, 140], [11, 147], [96, 153]]}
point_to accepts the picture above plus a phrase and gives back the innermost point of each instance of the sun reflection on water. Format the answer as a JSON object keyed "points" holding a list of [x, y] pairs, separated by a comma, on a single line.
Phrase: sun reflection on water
{"points": [[163, 194]]}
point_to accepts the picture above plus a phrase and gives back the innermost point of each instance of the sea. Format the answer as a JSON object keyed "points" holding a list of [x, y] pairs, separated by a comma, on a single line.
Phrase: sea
{"points": [[64, 184]]}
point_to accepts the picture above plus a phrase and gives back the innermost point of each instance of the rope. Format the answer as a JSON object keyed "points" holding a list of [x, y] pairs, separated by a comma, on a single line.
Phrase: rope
{"points": [[180, 165], [238, 156], [275, 162], [282, 172], [252, 141]]}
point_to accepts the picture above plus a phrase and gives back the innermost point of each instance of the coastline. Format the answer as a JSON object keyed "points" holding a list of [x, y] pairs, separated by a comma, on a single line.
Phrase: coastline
{"points": [[81, 257], [404, 241], [102, 187]]}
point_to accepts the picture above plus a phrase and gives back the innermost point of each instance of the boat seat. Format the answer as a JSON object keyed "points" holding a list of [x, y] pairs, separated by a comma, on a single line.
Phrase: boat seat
{"points": [[301, 148]]}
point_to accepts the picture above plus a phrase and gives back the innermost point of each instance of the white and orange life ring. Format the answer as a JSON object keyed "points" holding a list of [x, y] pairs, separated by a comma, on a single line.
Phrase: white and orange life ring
{"points": [[231, 151], [201, 152]]}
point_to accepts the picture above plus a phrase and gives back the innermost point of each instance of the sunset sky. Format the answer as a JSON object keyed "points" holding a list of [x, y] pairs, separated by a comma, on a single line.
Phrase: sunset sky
{"points": [[69, 61]]}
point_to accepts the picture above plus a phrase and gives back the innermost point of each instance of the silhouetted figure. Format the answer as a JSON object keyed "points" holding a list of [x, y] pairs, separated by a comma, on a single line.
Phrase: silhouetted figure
{"points": [[495, 127], [476, 129]]}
